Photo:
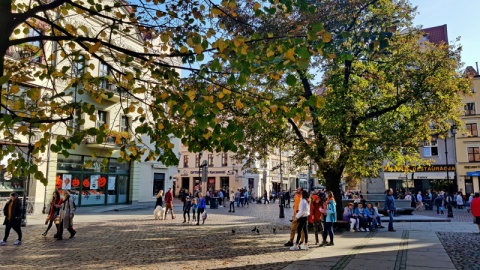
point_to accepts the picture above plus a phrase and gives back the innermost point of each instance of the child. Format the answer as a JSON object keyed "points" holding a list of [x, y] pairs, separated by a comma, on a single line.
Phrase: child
{"points": [[194, 208], [186, 209], [377, 216]]}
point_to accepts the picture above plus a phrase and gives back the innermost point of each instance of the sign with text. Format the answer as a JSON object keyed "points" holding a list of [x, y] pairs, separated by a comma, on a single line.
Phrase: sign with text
{"points": [[424, 168]]}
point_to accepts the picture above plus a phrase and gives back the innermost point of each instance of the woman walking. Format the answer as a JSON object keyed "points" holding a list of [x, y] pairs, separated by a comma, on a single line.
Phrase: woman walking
{"points": [[186, 209], [13, 219], [330, 217], [54, 211], [302, 218], [202, 204], [66, 216]]}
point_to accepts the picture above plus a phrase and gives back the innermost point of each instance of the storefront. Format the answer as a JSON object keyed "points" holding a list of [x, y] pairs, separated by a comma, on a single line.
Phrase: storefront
{"points": [[93, 181], [419, 178], [469, 179], [216, 180]]}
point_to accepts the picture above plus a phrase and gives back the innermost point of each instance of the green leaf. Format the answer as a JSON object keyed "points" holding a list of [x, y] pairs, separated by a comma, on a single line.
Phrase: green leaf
{"points": [[291, 80]]}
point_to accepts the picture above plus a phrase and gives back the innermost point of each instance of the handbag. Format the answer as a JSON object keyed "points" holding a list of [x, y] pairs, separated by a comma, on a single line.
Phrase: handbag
{"points": [[442, 208], [57, 220]]}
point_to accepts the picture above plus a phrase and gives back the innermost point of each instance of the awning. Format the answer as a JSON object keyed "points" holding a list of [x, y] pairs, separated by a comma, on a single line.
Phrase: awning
{"points": [[477, 173]]}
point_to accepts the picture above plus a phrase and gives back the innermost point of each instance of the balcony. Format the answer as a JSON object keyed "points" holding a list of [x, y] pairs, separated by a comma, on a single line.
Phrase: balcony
{"points": [[113, 92], [114, 140]]}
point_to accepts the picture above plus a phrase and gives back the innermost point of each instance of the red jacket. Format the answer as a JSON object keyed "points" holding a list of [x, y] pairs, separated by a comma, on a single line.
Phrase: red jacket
{"points": [[315, 213], [475, 206], [168, 197]]}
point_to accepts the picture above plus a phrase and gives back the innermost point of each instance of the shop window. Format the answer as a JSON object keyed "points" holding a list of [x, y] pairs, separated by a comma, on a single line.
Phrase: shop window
{"points": [[472, 130], [185, 161], [78, 67], [470, 108], [473, 154], [104, 73], [225, 183], [158, 183], [197, 160], [93, 189]]}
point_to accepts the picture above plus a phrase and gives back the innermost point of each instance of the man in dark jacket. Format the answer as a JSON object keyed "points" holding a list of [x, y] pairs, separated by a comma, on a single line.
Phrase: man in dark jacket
{"points": [[13, 218], [390, 208]]}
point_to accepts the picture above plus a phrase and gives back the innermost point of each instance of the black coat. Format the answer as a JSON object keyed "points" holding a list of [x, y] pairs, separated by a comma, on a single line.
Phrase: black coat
{"points": [[16, 212]]}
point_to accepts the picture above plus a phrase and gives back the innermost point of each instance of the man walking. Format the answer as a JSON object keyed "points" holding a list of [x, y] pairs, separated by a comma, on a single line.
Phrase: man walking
{"points": [[169, 203], [419, 201], [390, 208], [293, 229]]}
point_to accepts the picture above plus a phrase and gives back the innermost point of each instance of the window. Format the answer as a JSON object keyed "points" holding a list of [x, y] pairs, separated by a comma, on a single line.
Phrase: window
{"points": [[101, 118], [74, 124], [158, 183], [124, 123], [103, 74], [185, 161], [33, 49], [224, 159], [78, 67], [473, 154], [430, 148], [197, 160], [472, 129], [210, 160], [470, 108]]}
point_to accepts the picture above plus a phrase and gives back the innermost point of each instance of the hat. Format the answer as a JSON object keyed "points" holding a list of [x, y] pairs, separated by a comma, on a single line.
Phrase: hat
{"points": [[188, 197], [315, 197]]}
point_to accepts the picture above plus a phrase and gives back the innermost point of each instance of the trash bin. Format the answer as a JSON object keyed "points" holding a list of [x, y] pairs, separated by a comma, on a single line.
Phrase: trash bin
{"points": [[213, 202]]}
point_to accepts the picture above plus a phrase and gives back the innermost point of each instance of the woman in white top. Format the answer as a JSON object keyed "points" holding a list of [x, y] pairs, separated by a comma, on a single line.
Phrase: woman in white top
{"points": [[459, 200], [302, 220]]}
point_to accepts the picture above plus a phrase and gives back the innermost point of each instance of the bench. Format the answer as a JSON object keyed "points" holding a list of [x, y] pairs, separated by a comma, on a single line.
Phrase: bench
{"points": [[341, 225]]}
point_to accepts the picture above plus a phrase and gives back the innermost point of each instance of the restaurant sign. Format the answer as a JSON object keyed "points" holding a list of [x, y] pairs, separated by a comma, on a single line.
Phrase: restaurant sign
{"points": [[424, 168]]}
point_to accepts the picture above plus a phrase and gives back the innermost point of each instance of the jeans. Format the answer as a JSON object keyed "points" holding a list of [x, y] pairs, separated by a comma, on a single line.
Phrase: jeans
{"points": [[232, 204], [317, 228], [16, 227], [302, 226], [390, 221], [328, 229], [266, 200], [199, 214], [238, 201], [185, 214]]}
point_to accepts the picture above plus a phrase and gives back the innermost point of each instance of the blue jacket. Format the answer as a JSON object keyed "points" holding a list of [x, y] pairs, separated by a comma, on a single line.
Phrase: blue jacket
{"points": [[331, 215], [364, 212], [389, 203], [202, 203]]}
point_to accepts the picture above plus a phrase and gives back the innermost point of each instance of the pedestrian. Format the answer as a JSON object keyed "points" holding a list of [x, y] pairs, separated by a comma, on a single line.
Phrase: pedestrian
{"points": [[202, 204], [265, 197], [194, 209], [66, 214], [247, 198], [439, 203], [54, 211], [220, 198], [459, 200], [232, 202], [302, 219], [329, 211], [186, 209], [169, 203], [13, 219], [294, 226], [390, 209], [475, 208], [419, 202], [287, 199], [317, 216], [159, 201]]}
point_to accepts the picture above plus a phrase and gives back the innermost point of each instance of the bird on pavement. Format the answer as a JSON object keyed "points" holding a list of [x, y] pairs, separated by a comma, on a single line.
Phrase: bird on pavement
{"points": [[258, 232], [233, 231], [274, 230], [254, 229]]}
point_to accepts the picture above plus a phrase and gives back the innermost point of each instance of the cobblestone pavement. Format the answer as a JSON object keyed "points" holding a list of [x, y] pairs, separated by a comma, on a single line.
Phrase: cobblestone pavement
{"points": [[462, 248], [459, 215], [133, 239]]}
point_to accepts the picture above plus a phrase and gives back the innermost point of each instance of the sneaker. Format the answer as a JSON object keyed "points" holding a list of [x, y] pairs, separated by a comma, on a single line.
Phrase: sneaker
{"points": [[17, 242], [304, 247], [381, 227], [2, 243], [295, 247], [368, 229], [73, 234], [288, 244], [330, 244], [362, 230], [352, 230]]}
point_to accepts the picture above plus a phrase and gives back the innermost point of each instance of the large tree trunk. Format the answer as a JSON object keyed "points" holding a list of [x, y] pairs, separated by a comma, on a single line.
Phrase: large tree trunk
{"points": [[333, 184]]}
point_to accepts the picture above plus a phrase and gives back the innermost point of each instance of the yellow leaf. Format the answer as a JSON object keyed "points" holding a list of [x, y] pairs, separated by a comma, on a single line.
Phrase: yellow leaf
{"points": [[164, 95], [198, 49], [34, 94], [183, 49], [160, 126], [191, 95], [270, 53], [139, 110], [207, 135], [326, 37], [14, 89], [170, 145], [189, 113], [239, 104], [190, 42], [37, 144], [226, 91], [256, 6], [274, 108], [320, 102], [94, 47], [221, 95], [243, 50], [220, 105], [290, 55], [22, 129]]}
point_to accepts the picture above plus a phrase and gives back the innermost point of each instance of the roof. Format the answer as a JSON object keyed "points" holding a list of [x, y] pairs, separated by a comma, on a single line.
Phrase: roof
{"points": [[437, 34]]}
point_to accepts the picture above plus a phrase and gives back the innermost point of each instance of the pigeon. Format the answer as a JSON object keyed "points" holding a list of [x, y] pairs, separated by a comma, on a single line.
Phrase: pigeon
{"points": [[233, 231], [255, 229], [274, 230], [258, 232]]}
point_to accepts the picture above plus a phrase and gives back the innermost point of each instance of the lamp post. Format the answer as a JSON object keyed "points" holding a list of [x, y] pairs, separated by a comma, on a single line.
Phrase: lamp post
{"points": [[453, 131], [199, 172], [282, 212]]}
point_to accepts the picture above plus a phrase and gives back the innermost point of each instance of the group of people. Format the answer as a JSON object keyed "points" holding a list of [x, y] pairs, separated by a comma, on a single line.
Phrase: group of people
{"points": [[196, 205], [60, 213], [318, 208]]}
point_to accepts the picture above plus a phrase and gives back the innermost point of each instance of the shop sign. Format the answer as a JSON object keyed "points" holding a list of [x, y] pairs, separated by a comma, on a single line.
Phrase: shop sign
{"points": [[209, 172], [425, 168]]}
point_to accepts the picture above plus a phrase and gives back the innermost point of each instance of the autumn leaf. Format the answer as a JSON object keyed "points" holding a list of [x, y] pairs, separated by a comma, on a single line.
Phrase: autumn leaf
{"points": [[95, 47]]}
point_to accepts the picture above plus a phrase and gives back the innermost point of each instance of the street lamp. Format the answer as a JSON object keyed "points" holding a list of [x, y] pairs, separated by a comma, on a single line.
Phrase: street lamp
{"points": [[282, 212], [453, 131], [200, 172]]}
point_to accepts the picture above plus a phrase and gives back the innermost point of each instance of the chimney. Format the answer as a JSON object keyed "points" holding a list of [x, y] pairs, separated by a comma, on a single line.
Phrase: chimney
{"points": [[476, 63]]}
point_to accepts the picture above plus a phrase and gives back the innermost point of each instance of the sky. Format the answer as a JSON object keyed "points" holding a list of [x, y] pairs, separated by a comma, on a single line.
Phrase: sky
{"points": [[460, 16]]}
